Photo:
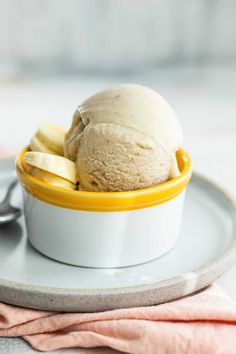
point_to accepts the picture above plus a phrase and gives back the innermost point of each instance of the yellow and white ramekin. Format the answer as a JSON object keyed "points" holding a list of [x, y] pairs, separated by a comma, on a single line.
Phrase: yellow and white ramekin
{"points": [[98, 229]]}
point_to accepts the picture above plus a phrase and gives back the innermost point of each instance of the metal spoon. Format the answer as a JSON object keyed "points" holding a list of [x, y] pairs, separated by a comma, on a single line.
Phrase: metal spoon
{"points": [[8, 213]]}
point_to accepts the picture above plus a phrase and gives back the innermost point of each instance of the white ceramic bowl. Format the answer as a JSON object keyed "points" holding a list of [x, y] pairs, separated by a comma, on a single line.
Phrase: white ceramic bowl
{"points": [[97, 229]]}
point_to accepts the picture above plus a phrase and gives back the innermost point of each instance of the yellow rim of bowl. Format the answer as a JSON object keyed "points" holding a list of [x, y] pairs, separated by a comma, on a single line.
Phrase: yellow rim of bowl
{"points": [[107, 201]]}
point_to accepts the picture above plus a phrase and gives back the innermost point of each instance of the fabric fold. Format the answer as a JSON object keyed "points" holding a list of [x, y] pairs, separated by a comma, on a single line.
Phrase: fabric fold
{"points": [[200, 323]]}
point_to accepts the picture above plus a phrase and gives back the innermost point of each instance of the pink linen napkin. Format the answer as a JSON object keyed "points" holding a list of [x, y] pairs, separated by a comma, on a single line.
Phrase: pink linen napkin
{"points": [[204, 323]]}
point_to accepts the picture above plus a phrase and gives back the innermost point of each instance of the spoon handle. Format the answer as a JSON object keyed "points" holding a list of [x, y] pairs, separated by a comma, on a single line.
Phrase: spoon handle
{"points": [[10, 189]]}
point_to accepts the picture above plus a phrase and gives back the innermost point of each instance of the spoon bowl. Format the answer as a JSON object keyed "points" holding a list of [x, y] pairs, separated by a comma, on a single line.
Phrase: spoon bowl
{"points": [[9, 213]]}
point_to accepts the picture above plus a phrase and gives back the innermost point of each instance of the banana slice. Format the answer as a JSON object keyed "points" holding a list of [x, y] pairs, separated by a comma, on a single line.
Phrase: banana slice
{"points": [[57, 165], [52, 136], [174, 171], [37, 145], [48, 177]]}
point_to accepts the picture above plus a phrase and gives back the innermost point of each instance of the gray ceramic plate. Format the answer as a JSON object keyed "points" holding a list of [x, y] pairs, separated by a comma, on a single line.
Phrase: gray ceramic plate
{"points": [[206, 249]]}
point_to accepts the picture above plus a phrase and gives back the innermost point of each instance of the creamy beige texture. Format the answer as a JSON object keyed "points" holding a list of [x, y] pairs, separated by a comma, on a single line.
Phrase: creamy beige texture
{"points": [[123, 138]]}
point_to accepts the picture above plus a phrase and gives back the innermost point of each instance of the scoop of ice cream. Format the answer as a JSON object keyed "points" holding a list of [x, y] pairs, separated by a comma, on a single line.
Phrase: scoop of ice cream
{"points": [[123, 138]]}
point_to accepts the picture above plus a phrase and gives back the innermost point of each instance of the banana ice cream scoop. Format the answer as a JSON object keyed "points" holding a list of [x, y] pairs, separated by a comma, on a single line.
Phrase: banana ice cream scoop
{"points": [[123, 138]]}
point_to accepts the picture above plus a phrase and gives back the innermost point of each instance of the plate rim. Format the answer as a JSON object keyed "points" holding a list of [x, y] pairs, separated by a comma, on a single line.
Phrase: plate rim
{"points": [[227, 258]]}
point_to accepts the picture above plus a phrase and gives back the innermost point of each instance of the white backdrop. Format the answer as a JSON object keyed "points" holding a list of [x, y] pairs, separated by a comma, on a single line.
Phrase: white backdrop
{"points": [[67, 35]]}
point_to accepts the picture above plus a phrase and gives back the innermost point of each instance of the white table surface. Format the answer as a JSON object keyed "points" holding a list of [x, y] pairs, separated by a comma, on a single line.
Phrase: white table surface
{"points": [[204, 100]]}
